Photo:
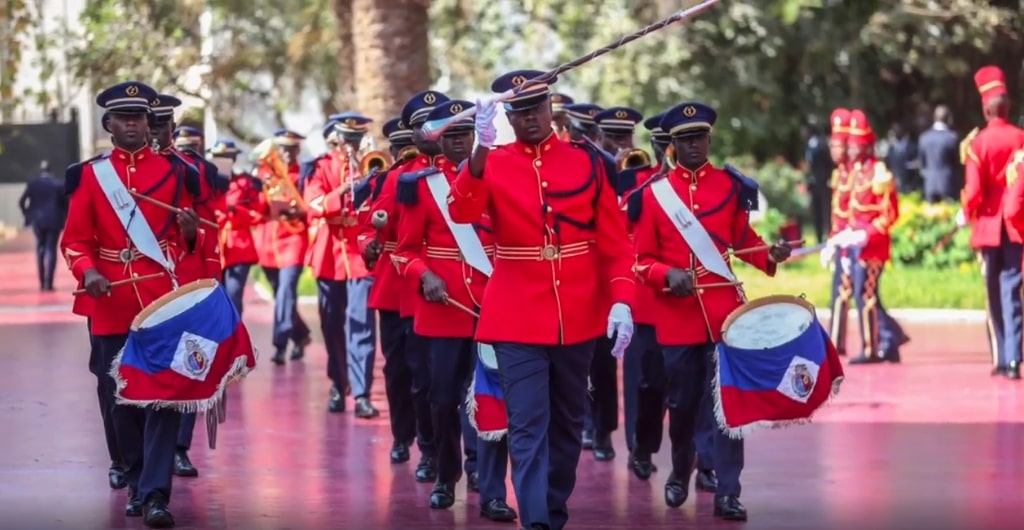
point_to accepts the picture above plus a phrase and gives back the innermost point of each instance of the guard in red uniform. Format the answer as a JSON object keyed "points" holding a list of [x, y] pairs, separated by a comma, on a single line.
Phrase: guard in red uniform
{"points": [[342, 278], [395, 289], [284, 244], [989, 156], [560, 116], [242, 212], [581, 122], [874, 208], [451, 263], [685, 224], [832, 255], [105, 242], [1013, 208], [409, 413], [210, 205], [562, 277]]}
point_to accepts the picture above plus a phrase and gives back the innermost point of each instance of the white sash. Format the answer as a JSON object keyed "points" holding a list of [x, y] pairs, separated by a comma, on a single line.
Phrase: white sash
{"points": [[134, 223], [465, 234], [691, 229]]}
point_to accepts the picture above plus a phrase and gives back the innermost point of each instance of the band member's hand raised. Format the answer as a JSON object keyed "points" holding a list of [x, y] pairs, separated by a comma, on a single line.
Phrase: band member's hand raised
{"points": [[780, 251], [486, 133], [95, 283], [679, 282], [188, 222], [372, 252], [434, 289]]}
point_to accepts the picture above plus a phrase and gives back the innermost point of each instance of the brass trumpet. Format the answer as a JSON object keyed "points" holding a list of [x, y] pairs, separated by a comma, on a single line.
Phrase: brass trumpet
{"points": [[408, 153], [281, 193], [632, 159], [378, 160]]}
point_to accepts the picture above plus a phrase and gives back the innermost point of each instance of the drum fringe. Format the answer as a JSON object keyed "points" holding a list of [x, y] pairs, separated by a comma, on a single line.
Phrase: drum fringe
{"points": [[739, 433], [239, 370], [487, 436]]}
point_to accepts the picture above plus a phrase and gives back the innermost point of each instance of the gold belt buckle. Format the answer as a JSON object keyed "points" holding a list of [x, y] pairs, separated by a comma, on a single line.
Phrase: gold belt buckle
{"points": [[549, 252], [125, 256]]}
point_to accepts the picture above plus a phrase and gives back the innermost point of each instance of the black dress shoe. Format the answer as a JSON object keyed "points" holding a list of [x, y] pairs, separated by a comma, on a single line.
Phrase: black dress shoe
{"points": [[863, 359], [473, 482], [498, 511], [134, 506], [400, 452], [676, 491], [336, 403], [442, 496], [603, 449], [728, 507], [999, 370], [115, 476], [588, 440], [1013, 371], [364, 409], [183, 466], [641, 466], [278, 357], [157, 515], [706, 480], [299, 351], [426, 470]]}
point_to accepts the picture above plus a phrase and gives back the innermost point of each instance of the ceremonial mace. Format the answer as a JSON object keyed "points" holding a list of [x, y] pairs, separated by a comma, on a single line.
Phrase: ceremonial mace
{"points": [[433, 129]]}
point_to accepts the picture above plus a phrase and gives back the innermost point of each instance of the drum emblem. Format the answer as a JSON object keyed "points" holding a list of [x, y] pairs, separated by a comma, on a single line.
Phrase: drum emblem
{"points": [[196, 361], [802, 382]]}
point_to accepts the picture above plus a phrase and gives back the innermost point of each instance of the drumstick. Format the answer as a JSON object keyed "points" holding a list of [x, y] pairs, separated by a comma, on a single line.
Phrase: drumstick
{"points": [[759, 248], [708, 285], [124, 282], [461, 307], [171, 208]]}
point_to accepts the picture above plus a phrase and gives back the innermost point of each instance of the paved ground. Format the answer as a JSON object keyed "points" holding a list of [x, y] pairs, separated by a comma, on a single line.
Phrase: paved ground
{"points": [[934, 442]]}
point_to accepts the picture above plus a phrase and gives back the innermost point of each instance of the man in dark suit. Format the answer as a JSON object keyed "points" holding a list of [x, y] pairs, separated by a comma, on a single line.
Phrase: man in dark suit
{"points": [[819, 173], [939, 149], [44, 206]]}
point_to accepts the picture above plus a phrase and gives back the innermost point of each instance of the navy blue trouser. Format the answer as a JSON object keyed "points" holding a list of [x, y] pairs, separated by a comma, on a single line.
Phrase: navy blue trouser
{"points": [[288, 323], [545, 388], [1003, 293], [349, 333], [451, 364], [491, 468], [397, 378], [185, 428], [235, 278], [146, 437], [604, 391], [46, 254], [417, 355], [689, 372], [105, 388]]}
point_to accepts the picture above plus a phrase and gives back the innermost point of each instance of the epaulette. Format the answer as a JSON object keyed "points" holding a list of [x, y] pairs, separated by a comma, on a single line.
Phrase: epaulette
{"points": [[882, 179], [747, 188], [361, 192], [73, 173], [1013, 170], [625, 181], [188, 171], [217, 182], [306, 170], [409, 185], [965, 145], [603, 157], [635, 199]]}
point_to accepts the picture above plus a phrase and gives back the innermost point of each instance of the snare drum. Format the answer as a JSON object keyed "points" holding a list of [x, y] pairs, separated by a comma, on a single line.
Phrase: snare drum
{"points": [[775, 365], [485, 403], [183, 350]]}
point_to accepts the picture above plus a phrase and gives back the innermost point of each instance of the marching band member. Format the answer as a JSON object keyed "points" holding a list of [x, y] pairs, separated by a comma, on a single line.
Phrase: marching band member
{"points": [[642, 366], [409, 415], [832, 255], [102, 246], [562, 260], [1014, 210], [581, 121], [451, 263], [684, 224], [414, 114], [559, 115], [210, 206], [342, 278], [874, 208], [282, 250], [989, 156], [242, 212]]}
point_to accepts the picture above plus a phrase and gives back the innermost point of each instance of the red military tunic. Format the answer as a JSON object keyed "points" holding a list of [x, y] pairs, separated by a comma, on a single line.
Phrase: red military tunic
{"points": [[988, 158], [711, 194], [842, 185], [425, 243], [283, 242], [1013, 204], [209, 207], [562, 254], [874, 207], [643, 303], [94, 237], [388, 290], [334, 253], [241, 214]]}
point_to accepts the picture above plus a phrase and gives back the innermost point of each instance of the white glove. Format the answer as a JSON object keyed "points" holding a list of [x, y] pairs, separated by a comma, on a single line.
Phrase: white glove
{"points": [[856, 239], [486, 133], [961, 219], [620, 326], [846, 265], [827, 254]]}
